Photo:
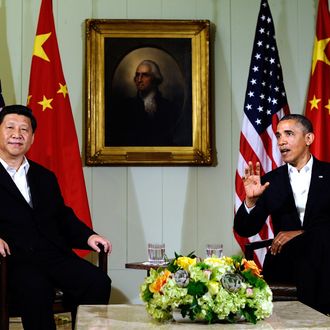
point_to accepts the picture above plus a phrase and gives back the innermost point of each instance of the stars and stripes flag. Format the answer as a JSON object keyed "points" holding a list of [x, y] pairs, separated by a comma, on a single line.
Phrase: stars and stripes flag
{"points": [[265, 103], [318, 97], [2, 101], [56, 144]]}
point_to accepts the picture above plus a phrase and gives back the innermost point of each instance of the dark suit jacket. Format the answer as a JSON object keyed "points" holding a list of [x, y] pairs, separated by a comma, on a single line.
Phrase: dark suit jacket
{"points": [[24, 228], [278, 201], [131, 125]]}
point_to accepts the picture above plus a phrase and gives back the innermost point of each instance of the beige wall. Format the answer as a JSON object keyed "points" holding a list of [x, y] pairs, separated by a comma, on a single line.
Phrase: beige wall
{"points": [[185, 207]]}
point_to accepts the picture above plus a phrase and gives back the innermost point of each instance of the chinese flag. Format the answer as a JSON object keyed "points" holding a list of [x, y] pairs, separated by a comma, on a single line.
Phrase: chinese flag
{"points": [[56, 144], [318, 98]]}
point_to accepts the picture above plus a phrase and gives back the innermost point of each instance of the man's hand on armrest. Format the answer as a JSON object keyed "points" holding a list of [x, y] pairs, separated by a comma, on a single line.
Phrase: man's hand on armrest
{"points": [[4, 248], [282, 238], [95, 240]]}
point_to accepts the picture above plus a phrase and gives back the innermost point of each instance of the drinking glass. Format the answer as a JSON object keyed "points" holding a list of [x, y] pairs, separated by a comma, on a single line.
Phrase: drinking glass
{"points": [[156, 253], [214, 250]]}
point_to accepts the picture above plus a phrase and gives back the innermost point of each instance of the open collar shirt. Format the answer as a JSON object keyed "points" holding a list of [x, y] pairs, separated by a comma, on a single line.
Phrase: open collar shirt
{"points": [[20, 179], [300, 182]]}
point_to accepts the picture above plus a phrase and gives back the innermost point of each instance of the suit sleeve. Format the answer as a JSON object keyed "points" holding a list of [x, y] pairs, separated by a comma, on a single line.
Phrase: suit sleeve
{"points": [[247, 224], [57, 221]]}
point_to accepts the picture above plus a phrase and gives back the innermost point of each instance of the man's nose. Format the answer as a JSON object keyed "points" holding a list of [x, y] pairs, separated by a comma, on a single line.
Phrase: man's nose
{"points": [[138, 76], [17, 133]]}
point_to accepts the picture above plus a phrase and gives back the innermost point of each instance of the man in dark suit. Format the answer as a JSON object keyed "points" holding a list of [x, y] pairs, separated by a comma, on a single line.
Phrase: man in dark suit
{"points": [[297, 197], [38, 231]]}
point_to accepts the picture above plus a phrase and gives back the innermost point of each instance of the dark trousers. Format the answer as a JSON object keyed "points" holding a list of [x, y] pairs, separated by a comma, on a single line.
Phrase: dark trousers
{"points": [[305, 261], [32, 280]]}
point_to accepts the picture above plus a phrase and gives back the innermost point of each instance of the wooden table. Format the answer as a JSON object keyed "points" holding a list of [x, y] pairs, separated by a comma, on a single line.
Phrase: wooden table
{"points": [[143, 265], [286, 315]]}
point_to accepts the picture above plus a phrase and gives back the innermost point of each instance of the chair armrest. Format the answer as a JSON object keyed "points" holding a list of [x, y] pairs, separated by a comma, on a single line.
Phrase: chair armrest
{"points": [[102, 257], [3, 294], [103, 260], [3, 279], [250, 247]]}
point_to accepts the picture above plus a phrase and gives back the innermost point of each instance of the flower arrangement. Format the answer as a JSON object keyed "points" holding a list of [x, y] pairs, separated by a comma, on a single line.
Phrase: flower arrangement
{"points": [[211, 290]]}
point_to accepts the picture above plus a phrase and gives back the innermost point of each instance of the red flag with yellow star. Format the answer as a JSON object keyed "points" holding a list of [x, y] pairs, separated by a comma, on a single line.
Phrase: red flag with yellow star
{"points": [[318, 98], [55, 145]]}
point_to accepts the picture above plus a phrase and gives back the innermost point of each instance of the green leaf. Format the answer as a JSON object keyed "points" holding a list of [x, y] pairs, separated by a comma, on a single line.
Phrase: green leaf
{"points": [[254, 280], [202, 265], [211, 317], [196, 289], [249, 314], [147, 295]]}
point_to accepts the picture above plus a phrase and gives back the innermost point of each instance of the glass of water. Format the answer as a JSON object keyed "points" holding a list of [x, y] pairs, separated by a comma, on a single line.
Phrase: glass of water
{"points": [[156, 253], [214, 250]]}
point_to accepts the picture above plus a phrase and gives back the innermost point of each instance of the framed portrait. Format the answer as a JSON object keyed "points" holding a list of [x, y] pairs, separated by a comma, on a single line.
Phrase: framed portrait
{"points": [[147, 92]]}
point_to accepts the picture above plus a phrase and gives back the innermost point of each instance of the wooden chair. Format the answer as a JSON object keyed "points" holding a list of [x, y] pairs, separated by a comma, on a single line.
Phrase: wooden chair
{"points": [[8, 310], [281, 291]]}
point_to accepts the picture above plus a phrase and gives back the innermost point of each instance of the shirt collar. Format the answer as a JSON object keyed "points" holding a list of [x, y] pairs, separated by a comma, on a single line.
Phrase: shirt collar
{"points": [[304, 169], [25, 165]]}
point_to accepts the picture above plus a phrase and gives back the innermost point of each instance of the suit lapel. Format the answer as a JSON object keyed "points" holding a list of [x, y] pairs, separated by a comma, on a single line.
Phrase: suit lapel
{"points": [[284, 175], [33, 184], [314, 188]]}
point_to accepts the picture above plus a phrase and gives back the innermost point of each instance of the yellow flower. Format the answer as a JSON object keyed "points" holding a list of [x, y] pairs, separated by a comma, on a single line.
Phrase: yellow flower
{"points": [[185, 262], [213, 287], [251, 265], [159, 282]]}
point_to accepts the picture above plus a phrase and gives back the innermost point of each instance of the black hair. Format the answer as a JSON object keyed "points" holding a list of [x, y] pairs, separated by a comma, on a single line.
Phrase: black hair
{"points": [[304, 121], [20, 110]]}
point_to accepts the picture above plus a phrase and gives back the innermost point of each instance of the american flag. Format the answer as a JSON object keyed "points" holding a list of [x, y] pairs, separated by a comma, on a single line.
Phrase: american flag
{"points": [[265, 103], [2, 102]]}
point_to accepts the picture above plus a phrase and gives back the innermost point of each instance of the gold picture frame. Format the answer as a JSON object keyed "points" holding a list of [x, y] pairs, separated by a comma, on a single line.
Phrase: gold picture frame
{"points": [[174, 132]]}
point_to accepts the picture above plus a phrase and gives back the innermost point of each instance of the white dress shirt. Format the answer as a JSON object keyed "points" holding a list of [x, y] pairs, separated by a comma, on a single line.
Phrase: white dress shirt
{"points": [[19, 177], [300, 182]]}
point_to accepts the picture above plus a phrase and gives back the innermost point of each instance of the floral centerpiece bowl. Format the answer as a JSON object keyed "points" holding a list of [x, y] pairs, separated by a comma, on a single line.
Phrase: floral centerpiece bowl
{"points": [[211, 290]]}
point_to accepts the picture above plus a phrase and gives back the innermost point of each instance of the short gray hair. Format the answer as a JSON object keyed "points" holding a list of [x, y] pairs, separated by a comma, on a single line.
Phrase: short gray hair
{"points": [[157, 75]]}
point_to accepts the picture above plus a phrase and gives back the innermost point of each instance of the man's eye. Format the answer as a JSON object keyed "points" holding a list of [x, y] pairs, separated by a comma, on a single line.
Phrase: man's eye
{"points": [[142, 74]]}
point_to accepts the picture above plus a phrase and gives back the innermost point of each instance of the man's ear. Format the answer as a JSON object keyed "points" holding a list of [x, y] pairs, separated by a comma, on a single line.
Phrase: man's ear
{"points": [[309, 138]]}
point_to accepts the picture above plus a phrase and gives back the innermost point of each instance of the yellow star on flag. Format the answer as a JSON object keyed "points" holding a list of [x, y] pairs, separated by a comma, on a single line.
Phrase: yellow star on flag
{"points": [[328, 106], [319, 52], [46, 103], [38, 43], [63, 90], [314, 102]]}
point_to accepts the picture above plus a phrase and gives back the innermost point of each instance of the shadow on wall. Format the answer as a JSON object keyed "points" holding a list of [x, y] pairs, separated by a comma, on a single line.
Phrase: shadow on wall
{"points": [[118, 297], [189, 240]]}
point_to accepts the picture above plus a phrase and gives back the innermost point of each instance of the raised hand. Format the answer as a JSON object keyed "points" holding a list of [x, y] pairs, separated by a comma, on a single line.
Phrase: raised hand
{"points": [[252, 184]]}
